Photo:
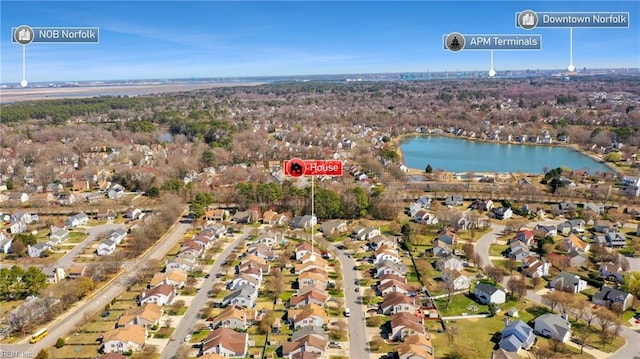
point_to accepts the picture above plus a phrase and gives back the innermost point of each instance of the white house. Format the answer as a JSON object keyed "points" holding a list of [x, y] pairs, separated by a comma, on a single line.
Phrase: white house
{"points": [[553, 326], [77, 220], [106, 247], [488, 294]]}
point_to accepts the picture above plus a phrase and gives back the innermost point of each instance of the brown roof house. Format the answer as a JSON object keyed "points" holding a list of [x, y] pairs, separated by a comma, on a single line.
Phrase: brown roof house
{"points": [[146, 316], [131, 338], [160, 295], [404, 325], [226, 342]]}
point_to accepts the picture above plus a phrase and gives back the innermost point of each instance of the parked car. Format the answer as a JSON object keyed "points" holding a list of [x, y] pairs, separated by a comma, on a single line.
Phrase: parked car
{"points": [[187, 338]]}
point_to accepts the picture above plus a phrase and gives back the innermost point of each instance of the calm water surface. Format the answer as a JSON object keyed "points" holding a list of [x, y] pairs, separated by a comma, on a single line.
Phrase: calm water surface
{"points": [[462, 155]]}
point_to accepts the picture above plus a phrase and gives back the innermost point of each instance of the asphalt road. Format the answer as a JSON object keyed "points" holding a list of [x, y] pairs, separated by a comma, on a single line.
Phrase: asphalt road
{"points": [[75, 316], [93, 233], [358, 343], [198, 302]]}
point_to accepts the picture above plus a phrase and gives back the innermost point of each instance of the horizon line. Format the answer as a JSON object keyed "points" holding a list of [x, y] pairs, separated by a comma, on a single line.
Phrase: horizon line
{"points": [[400, 73]]}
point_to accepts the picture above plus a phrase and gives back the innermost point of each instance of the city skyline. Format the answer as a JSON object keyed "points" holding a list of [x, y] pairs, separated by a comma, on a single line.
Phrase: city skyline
{"points": [[163, 40]]}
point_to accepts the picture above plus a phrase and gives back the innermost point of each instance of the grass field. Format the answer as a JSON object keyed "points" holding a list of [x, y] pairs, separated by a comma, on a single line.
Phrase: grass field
{"points": [[460, 304], [473, 339]]}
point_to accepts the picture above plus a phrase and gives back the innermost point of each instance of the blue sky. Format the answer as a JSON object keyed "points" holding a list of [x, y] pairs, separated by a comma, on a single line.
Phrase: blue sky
{"points": [[166, 39]]}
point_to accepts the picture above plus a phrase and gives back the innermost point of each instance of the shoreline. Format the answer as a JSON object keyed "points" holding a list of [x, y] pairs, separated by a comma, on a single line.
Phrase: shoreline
{"points": [[15, 95], [575, 147]]}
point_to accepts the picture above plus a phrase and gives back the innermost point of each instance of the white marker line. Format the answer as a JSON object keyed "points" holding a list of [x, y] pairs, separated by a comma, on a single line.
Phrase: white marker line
{"points": [[571, 67], [24, 82]]}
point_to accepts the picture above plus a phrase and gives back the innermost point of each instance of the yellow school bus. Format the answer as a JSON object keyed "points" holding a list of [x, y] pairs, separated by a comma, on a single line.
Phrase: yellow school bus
{"points": [[39, 335]]}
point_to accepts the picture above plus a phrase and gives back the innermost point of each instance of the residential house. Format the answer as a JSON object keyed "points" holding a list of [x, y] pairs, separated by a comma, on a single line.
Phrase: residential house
{"points": [[609, 297], [612, 272], [603, 226], [313, 331], [415, 347], [542, 230], [177, 278], [5, 243], [534, 209], [615, 239], [261, 251], [216, 214], [130, 338], [116, 191], [631, 185], [489, 294], [76, 271], [405, 324], [160, 295], [394, 286], [333, 227], [226, 342], [563, 208], [317, 278], [568, 282], [459, 280], [516, 335], [245, 217], [309, 347], [304, 222], [79, 219], [564, 228], [133, 213], [454, 200], [482, 204], [502, 213], [447, 236], [146, 316], [449, 262], [192, 248], [18, 197], [367, 234], [105, 214], [244, 296], [577, 259], [386, 253], [231, 317], [310, 295], [38, 249], [79, 186], [66, 199], [553, 326], [573, 242], [58, 235], [382, 241], [106, 247], [577, 225], [525, 236], [186, 263], [274, 218], [423, 216], [518, 250], [388, 267], [270, 238], [304, 248], [393, 303], [308, 315], [306, 347], [118, 235], [533, 267], [252, 261], [242, 279]]}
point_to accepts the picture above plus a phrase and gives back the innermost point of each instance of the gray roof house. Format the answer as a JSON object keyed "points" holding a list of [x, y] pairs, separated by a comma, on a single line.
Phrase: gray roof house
{"points": [[553, 326], [488, 294], [454, 200], [608, 296], [37, 249], [568, 282], [516, 335], [244, 296]]}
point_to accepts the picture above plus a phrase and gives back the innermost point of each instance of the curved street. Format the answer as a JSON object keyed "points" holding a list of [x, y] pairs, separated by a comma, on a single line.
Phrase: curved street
{"points": [[631, 350]]}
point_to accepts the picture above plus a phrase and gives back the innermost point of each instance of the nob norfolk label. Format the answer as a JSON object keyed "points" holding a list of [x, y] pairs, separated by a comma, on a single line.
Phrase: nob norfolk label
{"points": [[84, 35]]}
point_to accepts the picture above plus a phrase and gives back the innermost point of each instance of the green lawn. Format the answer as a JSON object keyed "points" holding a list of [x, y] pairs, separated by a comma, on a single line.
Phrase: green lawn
{"points": [[460, 304], [473, 338], [497, 249], [75, 351]]}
